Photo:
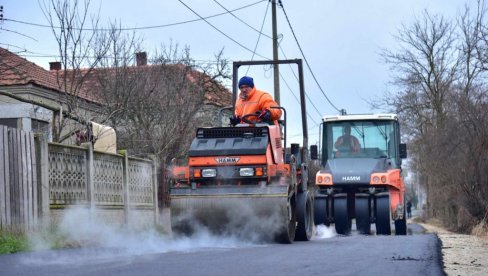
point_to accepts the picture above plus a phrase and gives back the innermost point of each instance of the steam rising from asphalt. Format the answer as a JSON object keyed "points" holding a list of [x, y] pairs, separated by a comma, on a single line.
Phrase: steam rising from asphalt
{"points": [[254, 221], [102, 241], [323, 232]]}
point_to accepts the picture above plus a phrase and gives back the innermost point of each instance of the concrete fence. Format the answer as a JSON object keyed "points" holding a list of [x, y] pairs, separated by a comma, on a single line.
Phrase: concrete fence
{"points": [[41, 180], [18, 180]]}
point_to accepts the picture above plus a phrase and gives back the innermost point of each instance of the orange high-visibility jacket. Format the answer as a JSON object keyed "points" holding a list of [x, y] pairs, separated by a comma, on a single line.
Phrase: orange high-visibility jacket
{"points": [[348, 141], [257, 100]]}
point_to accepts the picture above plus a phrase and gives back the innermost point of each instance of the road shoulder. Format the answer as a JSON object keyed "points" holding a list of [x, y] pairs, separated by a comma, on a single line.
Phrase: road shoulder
{"points": [[461, 254]]}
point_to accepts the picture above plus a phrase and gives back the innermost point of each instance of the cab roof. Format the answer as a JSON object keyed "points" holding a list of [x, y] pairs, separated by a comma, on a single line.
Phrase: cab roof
{"points": [[359, 117]]}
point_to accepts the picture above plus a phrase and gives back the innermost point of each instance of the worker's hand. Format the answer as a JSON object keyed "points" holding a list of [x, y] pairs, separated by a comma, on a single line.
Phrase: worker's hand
{"points": [[234, 120], [264, 115]]}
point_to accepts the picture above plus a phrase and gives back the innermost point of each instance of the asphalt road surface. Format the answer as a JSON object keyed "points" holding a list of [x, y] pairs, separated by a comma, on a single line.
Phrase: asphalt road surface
{"points": [[414, 254]]}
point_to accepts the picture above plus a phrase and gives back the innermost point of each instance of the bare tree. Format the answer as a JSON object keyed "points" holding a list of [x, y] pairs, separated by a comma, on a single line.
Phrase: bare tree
{"points": [[76, 43], [442, 101], [155, 107], [426, 63]]}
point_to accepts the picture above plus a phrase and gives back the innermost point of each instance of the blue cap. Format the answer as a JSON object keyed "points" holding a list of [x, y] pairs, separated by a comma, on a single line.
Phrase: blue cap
{"points": [[246, 81]]}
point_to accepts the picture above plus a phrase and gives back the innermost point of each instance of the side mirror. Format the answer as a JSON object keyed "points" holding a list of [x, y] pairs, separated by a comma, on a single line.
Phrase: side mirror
{"points": [[403, 151], [314, 152]]}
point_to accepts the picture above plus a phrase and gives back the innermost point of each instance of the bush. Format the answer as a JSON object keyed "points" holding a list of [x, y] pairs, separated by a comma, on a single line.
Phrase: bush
{"points": [[10, 243]]}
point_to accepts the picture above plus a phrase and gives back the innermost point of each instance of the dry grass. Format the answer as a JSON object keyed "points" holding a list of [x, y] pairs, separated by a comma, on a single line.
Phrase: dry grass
{"points": [[481, 229]]}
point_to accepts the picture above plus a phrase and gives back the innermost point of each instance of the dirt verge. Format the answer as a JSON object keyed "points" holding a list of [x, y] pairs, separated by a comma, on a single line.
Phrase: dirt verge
{"points": [[461, 254]]}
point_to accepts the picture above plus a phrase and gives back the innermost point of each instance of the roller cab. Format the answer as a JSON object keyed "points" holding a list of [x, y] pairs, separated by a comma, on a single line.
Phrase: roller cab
{"points": [[361, 175]]}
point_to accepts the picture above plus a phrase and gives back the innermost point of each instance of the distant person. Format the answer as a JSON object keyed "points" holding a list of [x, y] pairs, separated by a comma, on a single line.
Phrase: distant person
{"points": [[347, 142], [409, 209], [253, 101]]}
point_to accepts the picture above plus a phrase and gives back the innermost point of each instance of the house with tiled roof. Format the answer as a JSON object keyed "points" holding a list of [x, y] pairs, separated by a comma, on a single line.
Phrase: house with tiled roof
{"points": [[32, 98], [37, 97]]}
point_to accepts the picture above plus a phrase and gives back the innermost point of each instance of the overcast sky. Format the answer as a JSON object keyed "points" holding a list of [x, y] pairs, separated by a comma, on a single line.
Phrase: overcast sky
{"points": [[341, 40]]}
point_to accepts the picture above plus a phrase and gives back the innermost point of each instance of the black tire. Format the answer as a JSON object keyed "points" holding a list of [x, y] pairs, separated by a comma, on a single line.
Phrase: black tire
{"points": [[287, 235], [320, 210], [305, 217], [383, 226], [342, 219], [363, 222]]}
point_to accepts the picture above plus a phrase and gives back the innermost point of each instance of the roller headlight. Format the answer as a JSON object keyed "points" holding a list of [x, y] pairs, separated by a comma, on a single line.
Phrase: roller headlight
{"points": [[246, 172], [209, 173]]}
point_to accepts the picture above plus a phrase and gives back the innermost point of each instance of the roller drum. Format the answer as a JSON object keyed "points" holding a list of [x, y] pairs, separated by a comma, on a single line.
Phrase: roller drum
{"points": [[245, 212]]}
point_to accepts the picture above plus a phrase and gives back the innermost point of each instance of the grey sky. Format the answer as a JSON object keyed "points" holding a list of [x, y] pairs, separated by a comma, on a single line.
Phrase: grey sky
{"points": [[341, 40]]}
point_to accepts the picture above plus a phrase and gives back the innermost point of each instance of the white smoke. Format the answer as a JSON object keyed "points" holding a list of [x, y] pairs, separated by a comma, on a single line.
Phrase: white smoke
{"points": [[81, 227], [101, 241], [323, 232]]}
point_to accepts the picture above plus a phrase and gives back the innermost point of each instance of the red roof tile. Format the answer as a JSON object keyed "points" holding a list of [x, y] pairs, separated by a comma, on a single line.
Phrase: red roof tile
{"points": [[15, 70], [215, 94]]}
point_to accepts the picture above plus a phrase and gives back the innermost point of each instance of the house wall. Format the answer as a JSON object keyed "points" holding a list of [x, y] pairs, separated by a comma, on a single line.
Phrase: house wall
{"points": [[25, 112], [208, 116]]}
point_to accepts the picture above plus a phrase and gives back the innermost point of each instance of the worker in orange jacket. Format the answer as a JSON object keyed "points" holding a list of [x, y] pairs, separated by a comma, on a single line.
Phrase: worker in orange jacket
{"points": [[253, 101], [347, 142]]}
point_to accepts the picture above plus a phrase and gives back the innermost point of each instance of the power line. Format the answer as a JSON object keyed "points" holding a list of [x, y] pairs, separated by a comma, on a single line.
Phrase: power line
{"points": [[306, 61], [296, 77], [218, 30], [13, 46], [244, 22], [301, 133], [259, 36], [36, 55], [15, 32], [260, 32], [135, 28], [295, 96]]}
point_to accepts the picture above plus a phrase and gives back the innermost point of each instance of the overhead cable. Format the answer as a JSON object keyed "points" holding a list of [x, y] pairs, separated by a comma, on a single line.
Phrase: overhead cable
{"points": [[218, 30], [134, 28], [259, 36], [296, 77], [306, 61], [244, 22]]}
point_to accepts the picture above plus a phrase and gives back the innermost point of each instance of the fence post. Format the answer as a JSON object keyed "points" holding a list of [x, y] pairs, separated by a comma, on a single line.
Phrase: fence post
{"points": [[126, 188], [33, 181], [5, 221], [42, 157], [90, 174], [155, 190]]}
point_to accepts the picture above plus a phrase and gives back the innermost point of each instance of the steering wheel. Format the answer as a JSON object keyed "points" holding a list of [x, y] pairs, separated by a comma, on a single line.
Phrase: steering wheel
{"points": [[344, 149], [246, 118]]}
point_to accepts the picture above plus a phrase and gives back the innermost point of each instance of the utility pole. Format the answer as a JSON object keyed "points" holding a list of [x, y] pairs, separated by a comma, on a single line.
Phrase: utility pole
{"points": [[275, 54]]}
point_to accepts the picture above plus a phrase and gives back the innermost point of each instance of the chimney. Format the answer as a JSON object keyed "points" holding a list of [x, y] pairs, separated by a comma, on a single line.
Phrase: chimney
{"points": [[55, 66], [141, 58]]}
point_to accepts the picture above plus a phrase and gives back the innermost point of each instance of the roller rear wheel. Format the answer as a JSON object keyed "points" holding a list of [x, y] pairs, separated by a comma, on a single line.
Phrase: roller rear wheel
{"points": [[383, 226], [342, 219], [363, 222], [320, 210], [305, 224]]}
